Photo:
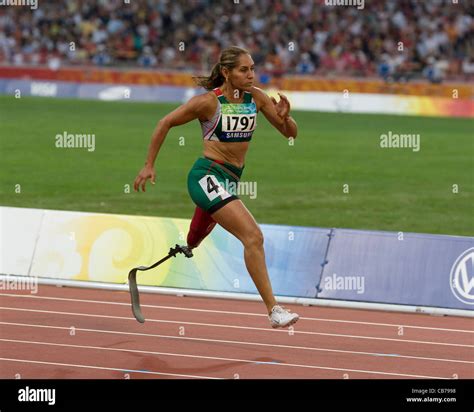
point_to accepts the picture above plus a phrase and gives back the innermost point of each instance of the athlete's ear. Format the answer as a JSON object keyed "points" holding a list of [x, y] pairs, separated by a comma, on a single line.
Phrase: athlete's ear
{"points": [[225, 73]]}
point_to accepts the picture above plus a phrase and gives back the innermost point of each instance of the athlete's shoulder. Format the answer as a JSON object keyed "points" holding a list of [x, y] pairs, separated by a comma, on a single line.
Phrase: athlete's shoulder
{"points": [[204, 105], [203, 98], [257, 92], [259, 96]]}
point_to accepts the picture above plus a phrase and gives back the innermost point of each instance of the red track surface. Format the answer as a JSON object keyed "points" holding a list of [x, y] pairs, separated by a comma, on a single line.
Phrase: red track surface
{"points": [[84, 333]]}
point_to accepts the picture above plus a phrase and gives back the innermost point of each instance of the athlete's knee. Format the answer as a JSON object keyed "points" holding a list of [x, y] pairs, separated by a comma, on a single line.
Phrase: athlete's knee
{"points": [[253, 238]]}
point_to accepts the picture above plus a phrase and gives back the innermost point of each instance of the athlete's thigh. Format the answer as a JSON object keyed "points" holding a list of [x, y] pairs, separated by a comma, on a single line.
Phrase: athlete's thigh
{"points": [[236, 218]]}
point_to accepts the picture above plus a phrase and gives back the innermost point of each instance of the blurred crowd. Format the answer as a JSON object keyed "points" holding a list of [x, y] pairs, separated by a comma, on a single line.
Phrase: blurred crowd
{"points": [[395, 39]]}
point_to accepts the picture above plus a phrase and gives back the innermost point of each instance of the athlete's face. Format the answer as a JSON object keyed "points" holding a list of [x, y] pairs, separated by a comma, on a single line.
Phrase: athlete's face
{"points": [[243, 75]]}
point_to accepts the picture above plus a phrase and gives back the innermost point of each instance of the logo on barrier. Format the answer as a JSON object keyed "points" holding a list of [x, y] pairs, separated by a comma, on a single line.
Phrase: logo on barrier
{"points": [[461, 278]]}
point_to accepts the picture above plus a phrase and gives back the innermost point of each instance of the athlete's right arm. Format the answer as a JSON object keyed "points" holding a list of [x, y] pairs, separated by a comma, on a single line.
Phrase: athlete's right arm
{"points": [[195, 108]]}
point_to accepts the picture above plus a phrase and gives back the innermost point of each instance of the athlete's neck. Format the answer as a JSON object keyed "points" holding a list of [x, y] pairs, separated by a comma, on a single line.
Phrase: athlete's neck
{"points": [[233, 95]]}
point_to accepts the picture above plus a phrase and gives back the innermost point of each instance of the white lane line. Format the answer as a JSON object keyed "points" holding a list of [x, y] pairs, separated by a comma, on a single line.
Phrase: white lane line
{"points": [[69, 365], [394, 325], [266, 345], [215, 325], [249, 361]]}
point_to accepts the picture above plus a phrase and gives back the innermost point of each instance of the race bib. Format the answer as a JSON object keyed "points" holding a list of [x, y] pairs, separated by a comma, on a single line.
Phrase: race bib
{"points": [[212, 188], [239, 122]]}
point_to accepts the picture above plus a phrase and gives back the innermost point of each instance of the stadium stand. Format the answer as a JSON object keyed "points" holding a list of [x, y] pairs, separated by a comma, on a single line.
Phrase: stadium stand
{"points": [[399, 40]]}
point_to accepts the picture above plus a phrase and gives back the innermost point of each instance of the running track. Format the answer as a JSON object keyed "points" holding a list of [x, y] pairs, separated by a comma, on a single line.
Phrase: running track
{"points": [[64, 332]]}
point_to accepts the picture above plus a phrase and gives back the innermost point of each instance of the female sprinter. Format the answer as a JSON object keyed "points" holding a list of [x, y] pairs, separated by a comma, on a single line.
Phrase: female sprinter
{"points": [[228, 117]]}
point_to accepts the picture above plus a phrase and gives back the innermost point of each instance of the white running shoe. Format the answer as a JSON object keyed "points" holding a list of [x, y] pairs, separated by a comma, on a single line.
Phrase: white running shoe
{"points": [[281, 318]]}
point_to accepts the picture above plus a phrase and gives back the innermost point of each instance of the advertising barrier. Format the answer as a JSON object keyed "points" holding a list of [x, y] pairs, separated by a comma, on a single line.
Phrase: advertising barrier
{"points": [[345, 96], [400, 268], [308, 263]]}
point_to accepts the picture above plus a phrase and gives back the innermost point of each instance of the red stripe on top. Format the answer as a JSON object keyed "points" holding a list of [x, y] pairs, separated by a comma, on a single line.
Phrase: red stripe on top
{"points": [[217, 92]]}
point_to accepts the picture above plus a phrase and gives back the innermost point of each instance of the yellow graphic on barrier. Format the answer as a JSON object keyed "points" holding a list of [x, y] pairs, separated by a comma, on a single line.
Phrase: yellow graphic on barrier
{"points": [[105, 247]]}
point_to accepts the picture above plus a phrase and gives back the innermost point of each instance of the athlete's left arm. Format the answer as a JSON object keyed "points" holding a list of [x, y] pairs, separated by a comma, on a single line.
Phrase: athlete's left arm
{"points": [[278, 114]]}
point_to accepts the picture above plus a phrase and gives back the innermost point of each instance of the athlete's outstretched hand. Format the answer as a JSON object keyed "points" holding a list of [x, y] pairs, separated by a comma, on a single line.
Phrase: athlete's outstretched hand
{"points": [[146, 173], [282, 107]]}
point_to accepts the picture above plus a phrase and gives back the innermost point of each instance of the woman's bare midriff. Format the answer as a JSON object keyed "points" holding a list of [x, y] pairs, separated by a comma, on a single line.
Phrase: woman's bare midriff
{"points": [[230, 152]]}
